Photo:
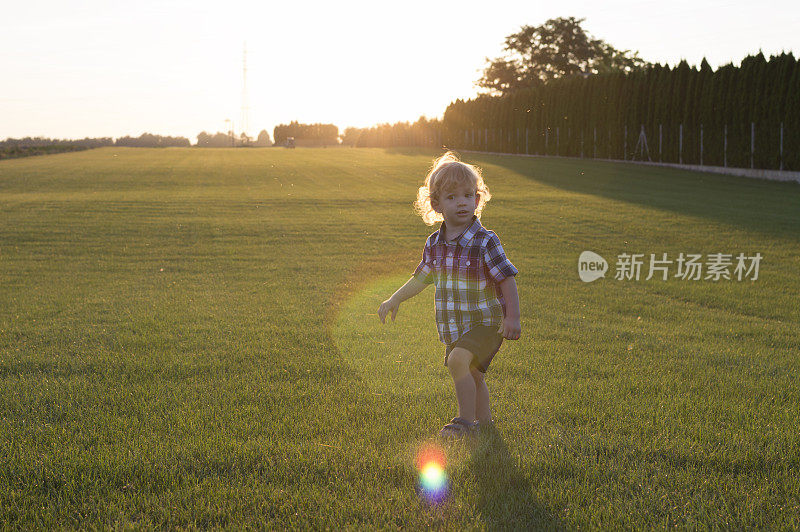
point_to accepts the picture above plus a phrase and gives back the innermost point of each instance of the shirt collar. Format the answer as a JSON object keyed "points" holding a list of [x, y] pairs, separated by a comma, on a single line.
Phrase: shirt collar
{"points": [[465, 236]]}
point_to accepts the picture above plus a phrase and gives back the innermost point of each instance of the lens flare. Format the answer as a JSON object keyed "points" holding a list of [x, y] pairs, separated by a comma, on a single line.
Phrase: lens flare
{"points": [[432, 477]]}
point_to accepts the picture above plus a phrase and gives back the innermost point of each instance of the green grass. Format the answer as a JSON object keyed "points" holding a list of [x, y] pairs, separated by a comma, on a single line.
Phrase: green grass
{"points": [[189, 338]]}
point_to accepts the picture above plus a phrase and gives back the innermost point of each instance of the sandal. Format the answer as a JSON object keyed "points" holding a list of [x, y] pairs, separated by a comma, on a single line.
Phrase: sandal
{"points": [[457, 428]]}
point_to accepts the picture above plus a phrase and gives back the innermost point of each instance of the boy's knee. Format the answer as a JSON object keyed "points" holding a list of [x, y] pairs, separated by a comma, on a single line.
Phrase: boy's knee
{"points": [[476, 373], [458, 360]]}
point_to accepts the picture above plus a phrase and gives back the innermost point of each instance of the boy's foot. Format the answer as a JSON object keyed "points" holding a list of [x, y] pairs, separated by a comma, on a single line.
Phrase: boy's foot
{"points": [[458, 428]]}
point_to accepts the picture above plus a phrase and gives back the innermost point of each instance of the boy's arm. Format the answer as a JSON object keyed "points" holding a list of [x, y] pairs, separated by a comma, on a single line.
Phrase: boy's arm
{"points": [[511, 328], [412, 287]]}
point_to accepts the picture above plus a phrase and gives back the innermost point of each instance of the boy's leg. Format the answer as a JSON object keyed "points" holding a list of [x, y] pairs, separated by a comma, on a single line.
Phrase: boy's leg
{"points": [[482, 411], [458, 362]]}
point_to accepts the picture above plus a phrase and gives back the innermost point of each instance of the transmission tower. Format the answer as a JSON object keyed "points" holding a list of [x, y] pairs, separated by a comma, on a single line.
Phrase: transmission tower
{"points": [[245, 123]]}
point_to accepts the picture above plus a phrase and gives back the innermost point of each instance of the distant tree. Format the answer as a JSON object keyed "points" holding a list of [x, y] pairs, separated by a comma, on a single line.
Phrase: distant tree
{"points": [[423, 132], [11, 148], [503, 76], [148, 140], [217, 140], [263, 139], [319, 134], [203, 139], [558, 48], [351, 136], [29, 142]]}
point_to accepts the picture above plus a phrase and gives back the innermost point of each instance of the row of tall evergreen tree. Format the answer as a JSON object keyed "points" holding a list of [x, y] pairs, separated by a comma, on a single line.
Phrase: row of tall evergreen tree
{"points": [[742, 116]]}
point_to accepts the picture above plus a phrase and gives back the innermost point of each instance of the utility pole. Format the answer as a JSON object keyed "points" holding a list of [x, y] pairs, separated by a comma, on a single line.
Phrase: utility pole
{"points": [[245, 109]]}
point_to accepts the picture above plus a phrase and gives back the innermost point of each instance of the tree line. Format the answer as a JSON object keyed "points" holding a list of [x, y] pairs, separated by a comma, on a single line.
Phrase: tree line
{"points": [[423, 132], [227, 140], [145, 139], [12, 148], [307, 134], [148, 140], [23, 147]]}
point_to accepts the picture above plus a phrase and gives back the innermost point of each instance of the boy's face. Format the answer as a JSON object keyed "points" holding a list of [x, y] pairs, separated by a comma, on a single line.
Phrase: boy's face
{"points": [[457, 205]]}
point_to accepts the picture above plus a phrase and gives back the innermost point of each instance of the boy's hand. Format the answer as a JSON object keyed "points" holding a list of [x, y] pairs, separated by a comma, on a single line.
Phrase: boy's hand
{"points": [[385, 307], [510, 329]]}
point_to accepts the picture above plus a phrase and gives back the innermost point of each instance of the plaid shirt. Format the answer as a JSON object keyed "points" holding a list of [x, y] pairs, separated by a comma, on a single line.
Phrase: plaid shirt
{"points": [[466, 272]]}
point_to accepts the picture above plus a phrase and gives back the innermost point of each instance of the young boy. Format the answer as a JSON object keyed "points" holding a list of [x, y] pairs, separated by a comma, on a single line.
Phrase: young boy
{"points": [[476, 295]]}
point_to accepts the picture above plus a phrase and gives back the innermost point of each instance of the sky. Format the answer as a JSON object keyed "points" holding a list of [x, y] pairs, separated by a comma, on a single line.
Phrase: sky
{"points": [[90, 68]]}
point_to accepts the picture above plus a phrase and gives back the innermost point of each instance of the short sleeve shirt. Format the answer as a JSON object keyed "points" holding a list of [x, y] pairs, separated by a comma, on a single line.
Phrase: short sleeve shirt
{"points": [[466, 272]]}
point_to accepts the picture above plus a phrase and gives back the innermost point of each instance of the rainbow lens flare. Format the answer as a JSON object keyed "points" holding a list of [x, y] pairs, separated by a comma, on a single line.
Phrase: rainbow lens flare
{"points": [[432, 477]]}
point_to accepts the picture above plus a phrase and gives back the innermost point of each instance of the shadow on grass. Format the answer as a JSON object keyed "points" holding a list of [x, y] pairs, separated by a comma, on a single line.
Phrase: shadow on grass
{"points": [[761, 205], [504, 492]]}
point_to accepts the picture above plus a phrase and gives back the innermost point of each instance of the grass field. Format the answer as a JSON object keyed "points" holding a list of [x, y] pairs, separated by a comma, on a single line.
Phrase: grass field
{"points": [[189, 338]]}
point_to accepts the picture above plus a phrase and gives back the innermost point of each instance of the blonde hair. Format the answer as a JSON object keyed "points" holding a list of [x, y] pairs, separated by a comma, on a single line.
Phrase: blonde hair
{"points": [[446, 173]]}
